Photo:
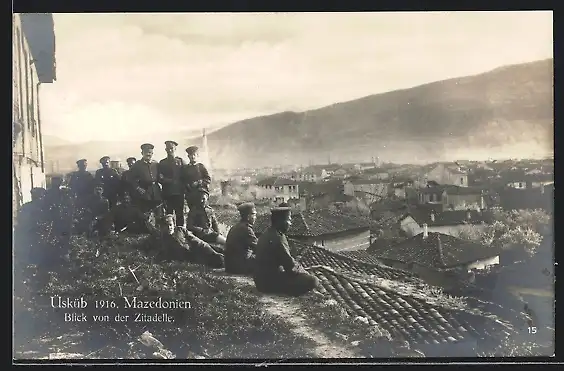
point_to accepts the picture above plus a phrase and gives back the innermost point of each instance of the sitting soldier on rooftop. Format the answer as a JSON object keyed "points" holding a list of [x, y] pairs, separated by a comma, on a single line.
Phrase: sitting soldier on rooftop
{"points": [[275, 271]]}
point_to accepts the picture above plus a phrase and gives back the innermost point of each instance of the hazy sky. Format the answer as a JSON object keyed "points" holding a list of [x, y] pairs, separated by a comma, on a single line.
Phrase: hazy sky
{"points": [[145, 74]]}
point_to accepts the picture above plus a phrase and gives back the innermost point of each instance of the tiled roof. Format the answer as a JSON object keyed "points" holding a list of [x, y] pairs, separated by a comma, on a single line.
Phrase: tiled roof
{"points": [[384, 243], [405, 312], [317, 223], [361, 255], [357, 181], [451, 190], [311, 256], [451, 217], [277, 181], [331, 187], [437, 251]]}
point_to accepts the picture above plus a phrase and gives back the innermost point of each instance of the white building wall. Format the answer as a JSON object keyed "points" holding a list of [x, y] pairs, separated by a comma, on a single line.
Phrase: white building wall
{"points": [[356, 241], [28, 149]]}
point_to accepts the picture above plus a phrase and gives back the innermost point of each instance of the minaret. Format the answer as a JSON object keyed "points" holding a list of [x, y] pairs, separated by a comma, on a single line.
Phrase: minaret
{"points": [[204, 151]]}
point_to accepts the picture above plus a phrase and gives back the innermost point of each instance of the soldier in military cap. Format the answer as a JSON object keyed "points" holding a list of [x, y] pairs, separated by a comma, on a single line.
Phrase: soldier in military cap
{"points": [[125, 183], [110, 181], [275, 269], [181, 243], [143, 179], [241, 242], [169, 178], [98, 214], [194, 176], [202, 222], [81, 183]]}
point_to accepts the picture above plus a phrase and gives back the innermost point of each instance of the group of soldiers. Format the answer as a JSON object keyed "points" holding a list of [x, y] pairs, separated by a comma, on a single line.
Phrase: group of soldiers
{"points": [[151, 196]]}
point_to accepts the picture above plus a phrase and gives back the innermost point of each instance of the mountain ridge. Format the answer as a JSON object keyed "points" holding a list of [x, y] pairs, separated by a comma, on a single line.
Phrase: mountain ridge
{"points": [[509, 108]]}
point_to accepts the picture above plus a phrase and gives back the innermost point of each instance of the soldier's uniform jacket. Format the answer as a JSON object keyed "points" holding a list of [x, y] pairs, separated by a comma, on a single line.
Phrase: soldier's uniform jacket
{"points": [[110, 181], [98, 206], [81, 183], [169, 176], [128, 215], [273, 257], [202, 222], [126, 183], [195, 177], [144, 175], [240, 245]]}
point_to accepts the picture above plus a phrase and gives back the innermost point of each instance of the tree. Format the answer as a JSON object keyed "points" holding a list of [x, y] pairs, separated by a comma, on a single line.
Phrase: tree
{"points": [[511, 230]]}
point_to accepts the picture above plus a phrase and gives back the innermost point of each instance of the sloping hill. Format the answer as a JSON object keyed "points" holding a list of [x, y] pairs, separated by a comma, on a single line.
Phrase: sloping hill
{"points": [[507, 106], [506, 110]]}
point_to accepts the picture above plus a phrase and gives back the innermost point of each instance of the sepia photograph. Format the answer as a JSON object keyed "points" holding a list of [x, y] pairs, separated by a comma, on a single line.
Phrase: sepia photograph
{"points": [[282, 186]]}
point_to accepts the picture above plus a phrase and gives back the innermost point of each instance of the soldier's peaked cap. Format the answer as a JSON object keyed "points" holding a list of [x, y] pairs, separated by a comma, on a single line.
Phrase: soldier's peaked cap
{"points": [[191, 149], [81, 161], [280, 209], [171, 142], [246, 208], [131, 159], [145, 146], [102, 159]]}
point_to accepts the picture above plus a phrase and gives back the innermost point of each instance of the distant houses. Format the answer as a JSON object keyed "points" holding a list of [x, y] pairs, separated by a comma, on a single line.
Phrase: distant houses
{"points": [[377, 187], [447, 222], [443, 174], [452, 196], [279, 189]]}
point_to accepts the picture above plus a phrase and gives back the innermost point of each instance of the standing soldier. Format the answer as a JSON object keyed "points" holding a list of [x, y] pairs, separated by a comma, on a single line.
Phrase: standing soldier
{"points": [[195, 177], [81, 184], [169, 178], [125, 184], [143, 179], [109, 179]]}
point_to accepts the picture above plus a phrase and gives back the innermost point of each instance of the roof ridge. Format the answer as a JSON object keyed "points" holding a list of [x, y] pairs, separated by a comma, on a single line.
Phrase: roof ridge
{"points": [[307, 229]]}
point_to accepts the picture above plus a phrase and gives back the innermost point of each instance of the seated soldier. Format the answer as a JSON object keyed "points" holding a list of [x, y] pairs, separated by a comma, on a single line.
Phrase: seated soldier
{"points": [[241, 242], [202, 222], [275, 271], [128, 218], [97, 213], [181, 243]]}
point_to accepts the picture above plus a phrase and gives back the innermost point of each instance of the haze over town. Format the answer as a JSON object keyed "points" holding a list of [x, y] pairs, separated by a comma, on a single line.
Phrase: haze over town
{"points": [[137, 76]]}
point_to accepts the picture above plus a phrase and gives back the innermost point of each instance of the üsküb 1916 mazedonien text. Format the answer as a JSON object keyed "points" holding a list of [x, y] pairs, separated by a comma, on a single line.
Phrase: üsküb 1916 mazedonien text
{"points": [[128, 303]]}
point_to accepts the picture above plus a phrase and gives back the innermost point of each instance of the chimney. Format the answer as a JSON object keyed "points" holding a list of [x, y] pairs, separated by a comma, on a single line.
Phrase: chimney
{"points": [[468, 214], [482, 202], [425, 231], [440, 248], [303, 204], [224, 185], [432, 215], [542, 188]]}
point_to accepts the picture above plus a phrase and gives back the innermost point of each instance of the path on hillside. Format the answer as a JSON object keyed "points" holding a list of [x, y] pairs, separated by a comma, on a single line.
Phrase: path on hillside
{"points": [[289, 311]]}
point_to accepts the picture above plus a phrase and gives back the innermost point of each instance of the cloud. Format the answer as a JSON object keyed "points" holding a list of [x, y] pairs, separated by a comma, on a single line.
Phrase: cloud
{"points": [[147, 73]]}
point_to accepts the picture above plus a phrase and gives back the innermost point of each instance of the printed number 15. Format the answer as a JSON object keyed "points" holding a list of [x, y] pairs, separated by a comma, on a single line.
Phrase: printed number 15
{"points": [[532, 330]]}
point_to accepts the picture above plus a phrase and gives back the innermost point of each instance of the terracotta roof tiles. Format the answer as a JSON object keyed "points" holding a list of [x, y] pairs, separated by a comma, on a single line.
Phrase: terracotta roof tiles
{"points": [[407, 315]]}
